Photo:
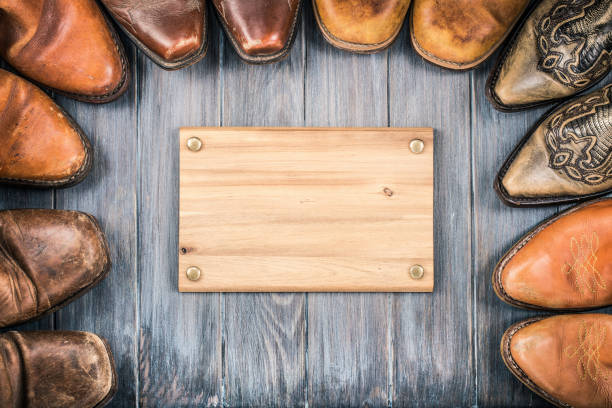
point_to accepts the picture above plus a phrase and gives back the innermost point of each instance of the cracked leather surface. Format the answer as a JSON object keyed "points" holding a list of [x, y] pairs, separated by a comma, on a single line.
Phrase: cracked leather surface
{"points": [[54, 370], [46, 258]]}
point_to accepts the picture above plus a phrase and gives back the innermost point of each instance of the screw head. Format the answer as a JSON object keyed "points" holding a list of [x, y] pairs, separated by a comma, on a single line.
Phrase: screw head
{"points": [[417, 146], [416, 271], [193, 273], [194, 144]]}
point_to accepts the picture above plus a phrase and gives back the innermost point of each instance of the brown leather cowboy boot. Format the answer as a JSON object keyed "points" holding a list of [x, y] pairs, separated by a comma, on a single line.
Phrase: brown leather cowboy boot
{"points": [[261, 31], [172, 32], [41, 145], [461, 34], [362, 26], [48, 258], [55, 369], [562, 48], [65, 45], [566, 157], [563, 263], [567, 359]]}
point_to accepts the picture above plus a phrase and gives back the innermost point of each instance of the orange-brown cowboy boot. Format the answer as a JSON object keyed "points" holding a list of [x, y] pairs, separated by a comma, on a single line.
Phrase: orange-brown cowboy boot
{"points": [[48, 258], [55, 369], [41, 145], [362, 26], [565, 359], [565, 263], [461, 34], [65, 45]]}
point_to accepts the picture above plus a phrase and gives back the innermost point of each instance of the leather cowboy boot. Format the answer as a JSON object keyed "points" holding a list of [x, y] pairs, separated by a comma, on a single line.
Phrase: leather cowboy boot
{"points": [[565, 263], [567, 359], [172, 33], [562, 48], [566, 157], [48, 258], [461, 34], [41, 145], [55, 369], [65, 45], [261, 31], [362, 26]]}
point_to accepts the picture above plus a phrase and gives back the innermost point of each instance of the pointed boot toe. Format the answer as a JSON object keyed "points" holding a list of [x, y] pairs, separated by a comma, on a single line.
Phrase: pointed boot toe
{"points": [[41, 145], [55, 369], [48, 258], [362, 26], [171, 33], [566, 157], [567, 359], [65, 45], [562, 48], [565, 263], [260, 31], [461, 34]]}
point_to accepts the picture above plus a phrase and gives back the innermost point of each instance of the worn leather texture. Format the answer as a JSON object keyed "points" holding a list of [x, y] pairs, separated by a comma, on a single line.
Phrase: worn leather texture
{"points": [[566, 359], [65, 45], [460, 34], [564, 263], [41, 145], [568, 155], [563, 47], [260, 30], [360, 25], [55, 369], [173, 30], [47, 259]]}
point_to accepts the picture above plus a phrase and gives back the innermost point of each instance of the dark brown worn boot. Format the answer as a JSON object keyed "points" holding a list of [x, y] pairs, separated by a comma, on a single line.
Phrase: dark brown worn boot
{"points": [[562, 48], [48, 258], [55, 369], [261, 31], [171, 32], [565, 359], [65, 45], [41, 145]]}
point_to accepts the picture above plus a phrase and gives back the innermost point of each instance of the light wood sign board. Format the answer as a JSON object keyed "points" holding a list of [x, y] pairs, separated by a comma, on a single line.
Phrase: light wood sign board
{"points": [[306, 210]]}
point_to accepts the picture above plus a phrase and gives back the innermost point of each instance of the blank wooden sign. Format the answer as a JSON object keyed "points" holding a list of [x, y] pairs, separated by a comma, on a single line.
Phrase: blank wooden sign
{"points": [[306, 209]]}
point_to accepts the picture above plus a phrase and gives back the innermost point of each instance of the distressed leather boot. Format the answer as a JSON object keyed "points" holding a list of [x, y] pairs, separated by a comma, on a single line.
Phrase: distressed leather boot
{"points": [[567, 359], [362, 26], [565, 263], [172, 32], [55, 369], [261, 31], [65, 45], [566, 157], [562, 48], [461, 34], [41, 145], [48, 258]]}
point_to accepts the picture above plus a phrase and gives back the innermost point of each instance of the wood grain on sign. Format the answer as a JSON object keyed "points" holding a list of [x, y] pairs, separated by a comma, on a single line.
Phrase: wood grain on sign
{"points": [[306, 209]]}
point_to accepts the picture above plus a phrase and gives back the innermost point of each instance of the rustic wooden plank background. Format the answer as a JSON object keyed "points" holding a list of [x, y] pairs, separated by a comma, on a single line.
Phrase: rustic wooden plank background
{"points": [[232, 350]]}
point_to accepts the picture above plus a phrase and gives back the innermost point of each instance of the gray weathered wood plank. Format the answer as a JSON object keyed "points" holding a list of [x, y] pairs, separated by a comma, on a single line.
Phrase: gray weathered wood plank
{"points": [[109, 194], [263, 334], [496, 228], [432, 339], [180, 340], [348, 337]]}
